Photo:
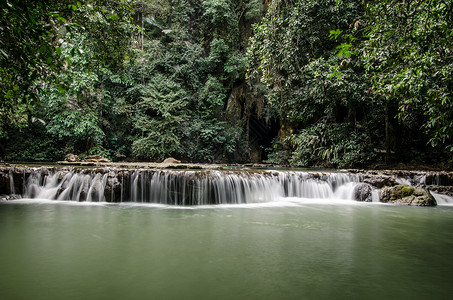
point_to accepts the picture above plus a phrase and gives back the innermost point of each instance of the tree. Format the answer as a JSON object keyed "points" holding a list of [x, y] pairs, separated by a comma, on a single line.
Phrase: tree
{"points": [[34, 34], [408, 54], [292, 53], [163, 106]]}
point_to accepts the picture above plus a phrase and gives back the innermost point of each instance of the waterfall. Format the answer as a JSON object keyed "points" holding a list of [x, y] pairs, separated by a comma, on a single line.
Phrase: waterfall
{"points": [[207, 187], [442, 199], [172, 187], [11, 183]]}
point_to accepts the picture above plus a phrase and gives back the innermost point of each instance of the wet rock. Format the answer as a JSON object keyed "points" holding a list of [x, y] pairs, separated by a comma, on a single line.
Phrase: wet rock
{"points": [[438, 178], [407, 195], [4, 181], [380, 181], [112, 191], [445, 190], [363, 192], [9, 197]]}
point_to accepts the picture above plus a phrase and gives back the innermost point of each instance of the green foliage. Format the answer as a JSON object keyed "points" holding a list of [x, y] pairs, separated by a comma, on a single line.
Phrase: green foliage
{"points": [[321, 96], [54, 53], [221, 19], [407, 52], [162, 107], [41, 148], [325, 145], [288, 44], [253, 9], [345, 80], [185, 83], [212, 97], [34, 35]]}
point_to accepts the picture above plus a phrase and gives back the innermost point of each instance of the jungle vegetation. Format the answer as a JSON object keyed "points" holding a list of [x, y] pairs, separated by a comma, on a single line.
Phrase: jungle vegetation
{"points": [[327, 83]]}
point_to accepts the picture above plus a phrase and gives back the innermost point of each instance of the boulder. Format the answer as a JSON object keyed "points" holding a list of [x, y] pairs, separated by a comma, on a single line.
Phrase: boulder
{"points": [[379, 181], [363, 192], [112, 190], [407, 195], [72, 158], [171, 160], [95, 159]]}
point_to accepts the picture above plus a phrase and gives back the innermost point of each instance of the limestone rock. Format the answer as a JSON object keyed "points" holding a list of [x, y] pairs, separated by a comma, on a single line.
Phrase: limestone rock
{"points": [[407, 195], [445, 190], [363, 192], [112, 189], [380, 181], [171, 160], [72, 158], [95, 159]]}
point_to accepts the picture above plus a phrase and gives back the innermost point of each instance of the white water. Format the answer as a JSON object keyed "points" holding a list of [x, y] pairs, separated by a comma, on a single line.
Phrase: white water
{"points": [[66, 186], [443, 200], [282, 202], [191, 187], [201, 188], [11, 183]]}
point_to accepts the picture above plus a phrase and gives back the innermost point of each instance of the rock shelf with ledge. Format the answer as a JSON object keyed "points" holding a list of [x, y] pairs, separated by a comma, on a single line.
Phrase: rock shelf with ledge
{"points": [[207, 184]]}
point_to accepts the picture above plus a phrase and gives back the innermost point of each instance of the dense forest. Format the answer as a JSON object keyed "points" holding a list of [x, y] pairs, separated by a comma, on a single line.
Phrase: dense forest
{"points": [[327, 83]]}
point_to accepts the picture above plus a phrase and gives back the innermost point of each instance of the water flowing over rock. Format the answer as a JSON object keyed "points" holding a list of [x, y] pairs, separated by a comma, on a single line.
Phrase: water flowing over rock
{"points": [[177, 187], [206, 186]]}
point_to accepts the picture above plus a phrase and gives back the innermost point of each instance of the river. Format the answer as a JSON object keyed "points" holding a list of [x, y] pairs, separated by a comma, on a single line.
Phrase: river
{"points": [[290, 249]]}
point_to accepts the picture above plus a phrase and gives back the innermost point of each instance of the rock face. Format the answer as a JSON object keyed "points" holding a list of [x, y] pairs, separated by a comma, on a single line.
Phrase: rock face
{"points": [[380, 181], [112, 189], [363, 192], [407, 195], [446, 190]]}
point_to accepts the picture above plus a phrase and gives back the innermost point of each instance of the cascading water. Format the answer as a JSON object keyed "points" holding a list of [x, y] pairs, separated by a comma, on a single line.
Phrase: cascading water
{"points": [[11, 183], [187, 187], [206, 187], [443, 200]]}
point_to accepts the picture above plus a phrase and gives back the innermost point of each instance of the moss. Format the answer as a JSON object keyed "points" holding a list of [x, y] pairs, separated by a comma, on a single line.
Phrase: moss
{"points": [[407, 191]]}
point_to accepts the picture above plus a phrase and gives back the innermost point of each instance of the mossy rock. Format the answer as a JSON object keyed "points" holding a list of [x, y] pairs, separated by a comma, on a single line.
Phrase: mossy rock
{"points": [[406, 190], [407, 195]]}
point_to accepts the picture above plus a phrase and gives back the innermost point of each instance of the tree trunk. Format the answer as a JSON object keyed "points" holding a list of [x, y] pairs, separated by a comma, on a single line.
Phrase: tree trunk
{"points": [[387, 132]]}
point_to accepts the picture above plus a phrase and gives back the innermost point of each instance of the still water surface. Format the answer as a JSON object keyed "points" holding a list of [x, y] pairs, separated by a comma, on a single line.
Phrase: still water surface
{"points": [[291, 250]]}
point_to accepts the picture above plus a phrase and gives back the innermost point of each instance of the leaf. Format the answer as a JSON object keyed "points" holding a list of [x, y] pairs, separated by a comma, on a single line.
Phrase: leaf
{"points": [[335, 33], [61, 89], [58, 50]]}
